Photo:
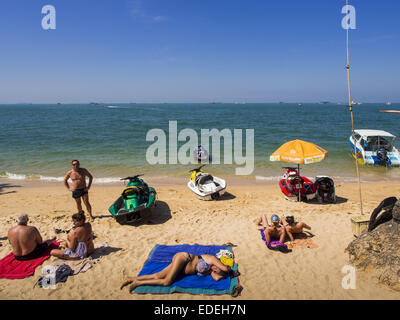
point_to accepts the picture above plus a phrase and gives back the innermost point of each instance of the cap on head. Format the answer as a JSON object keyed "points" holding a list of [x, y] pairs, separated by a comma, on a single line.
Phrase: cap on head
{"points": [[22, 219], [274, 218], [288, 215]]}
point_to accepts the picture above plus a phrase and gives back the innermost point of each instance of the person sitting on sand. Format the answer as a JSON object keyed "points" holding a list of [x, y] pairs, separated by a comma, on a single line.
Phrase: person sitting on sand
{"points": [[186, 264], [26, 241], [79, 243], [292, 227], [274, 231]]}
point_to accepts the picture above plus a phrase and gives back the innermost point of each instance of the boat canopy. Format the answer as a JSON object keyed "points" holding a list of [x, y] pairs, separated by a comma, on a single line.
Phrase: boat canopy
{"points": [[365, 133], [372, 140]]}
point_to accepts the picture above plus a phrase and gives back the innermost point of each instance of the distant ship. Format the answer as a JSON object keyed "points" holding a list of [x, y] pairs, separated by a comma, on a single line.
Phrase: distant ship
{"points": [[324, 102], [355, 103], [388, 103]]}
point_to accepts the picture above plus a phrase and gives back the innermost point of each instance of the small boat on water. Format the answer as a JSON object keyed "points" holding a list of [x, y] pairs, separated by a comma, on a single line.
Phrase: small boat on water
{"points": [[200, 154], [375, 147]]}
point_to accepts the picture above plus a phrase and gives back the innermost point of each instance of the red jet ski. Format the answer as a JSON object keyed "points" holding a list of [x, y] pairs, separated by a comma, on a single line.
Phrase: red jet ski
{"points": [[292, 183]]}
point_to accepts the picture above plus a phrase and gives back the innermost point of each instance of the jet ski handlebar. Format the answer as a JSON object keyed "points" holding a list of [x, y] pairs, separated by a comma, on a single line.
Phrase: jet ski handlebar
{"points": [[197, 169], [132, 178]]}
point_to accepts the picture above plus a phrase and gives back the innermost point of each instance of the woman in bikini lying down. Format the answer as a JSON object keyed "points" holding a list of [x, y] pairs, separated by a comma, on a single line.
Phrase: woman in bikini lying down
{"points": [[186, 264]]}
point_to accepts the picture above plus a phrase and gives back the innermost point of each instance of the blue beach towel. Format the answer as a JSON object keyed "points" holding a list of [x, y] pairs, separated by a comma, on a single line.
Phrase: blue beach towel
{"points": [[161, 256]]}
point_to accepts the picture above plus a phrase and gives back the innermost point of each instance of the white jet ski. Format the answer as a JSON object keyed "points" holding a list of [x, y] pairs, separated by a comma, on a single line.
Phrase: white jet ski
{"points": [[206, 186], [200, 154]]}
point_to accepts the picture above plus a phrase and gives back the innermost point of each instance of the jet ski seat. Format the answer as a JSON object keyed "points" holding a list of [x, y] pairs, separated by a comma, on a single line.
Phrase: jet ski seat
{"points": [[203, 179]]}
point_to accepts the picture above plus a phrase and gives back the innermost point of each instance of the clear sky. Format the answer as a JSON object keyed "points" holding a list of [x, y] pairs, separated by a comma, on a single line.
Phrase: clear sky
{"points": [[197, 51]]}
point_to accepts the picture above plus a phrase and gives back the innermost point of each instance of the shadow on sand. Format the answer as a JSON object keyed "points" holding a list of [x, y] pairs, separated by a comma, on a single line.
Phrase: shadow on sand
{"points": [[7, 186], [103, 251], [159, 214], [339, 200], [226, 196]]}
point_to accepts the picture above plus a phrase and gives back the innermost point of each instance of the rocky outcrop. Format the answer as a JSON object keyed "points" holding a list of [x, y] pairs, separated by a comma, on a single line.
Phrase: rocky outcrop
{"points": [[378, 251]]}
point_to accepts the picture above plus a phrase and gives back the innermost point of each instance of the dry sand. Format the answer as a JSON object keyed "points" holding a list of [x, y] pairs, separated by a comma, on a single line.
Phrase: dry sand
{"points": [[181, 218]]}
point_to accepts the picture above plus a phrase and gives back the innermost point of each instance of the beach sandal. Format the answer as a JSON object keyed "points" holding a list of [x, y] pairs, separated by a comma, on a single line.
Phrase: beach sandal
{"points": [[229, 244], [236, 291], [234, 273]]}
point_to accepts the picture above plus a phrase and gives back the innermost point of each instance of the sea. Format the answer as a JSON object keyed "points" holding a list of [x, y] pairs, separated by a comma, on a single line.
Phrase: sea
{"points": [[39, 141]]}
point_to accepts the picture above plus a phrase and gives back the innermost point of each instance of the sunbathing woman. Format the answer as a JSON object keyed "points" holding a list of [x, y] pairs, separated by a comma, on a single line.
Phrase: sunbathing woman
{"points": [[293, 227], [79, 243], [186, 264]]}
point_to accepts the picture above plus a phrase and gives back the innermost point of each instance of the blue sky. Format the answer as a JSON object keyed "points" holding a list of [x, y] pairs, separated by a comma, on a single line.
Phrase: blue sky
{"points": [[197, 51]]}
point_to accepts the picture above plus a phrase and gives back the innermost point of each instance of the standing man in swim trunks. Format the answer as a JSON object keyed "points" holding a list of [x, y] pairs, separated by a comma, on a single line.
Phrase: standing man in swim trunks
{"points": [[79, 189]]}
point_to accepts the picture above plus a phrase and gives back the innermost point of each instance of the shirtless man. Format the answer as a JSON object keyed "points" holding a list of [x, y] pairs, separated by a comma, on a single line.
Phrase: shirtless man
{"points": [[79, 243], [274, 231], [26, 241], [291, 226], [79, 190]]}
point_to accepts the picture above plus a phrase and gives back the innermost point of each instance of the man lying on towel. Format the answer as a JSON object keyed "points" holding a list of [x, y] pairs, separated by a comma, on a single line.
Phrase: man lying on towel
{"points": [[26, 241], [183, 263]]}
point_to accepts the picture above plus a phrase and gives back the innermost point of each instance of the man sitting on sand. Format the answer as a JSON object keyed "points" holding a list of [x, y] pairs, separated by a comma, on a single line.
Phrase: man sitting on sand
{"points": [[79, 243], [26, 241], [79, 190], [292, 227], [273, 232]]}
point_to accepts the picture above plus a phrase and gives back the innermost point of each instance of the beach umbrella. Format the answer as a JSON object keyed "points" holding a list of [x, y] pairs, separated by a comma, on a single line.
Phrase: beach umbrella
{"points": [[299, 152]]}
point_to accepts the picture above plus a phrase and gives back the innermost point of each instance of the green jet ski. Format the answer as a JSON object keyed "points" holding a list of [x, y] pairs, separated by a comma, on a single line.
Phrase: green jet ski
{"points": [[135, 202]]}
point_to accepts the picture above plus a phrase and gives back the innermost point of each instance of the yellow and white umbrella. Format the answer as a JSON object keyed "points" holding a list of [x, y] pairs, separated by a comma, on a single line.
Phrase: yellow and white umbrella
{"points": [[300, 152]]}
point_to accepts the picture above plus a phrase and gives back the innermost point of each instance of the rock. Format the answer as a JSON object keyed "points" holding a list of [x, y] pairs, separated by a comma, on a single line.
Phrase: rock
{"points": [[396, 212], [378, 251]]}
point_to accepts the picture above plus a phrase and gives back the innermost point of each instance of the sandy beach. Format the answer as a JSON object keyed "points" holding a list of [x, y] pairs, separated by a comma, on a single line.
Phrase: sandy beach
{"points": [[180, 218]]}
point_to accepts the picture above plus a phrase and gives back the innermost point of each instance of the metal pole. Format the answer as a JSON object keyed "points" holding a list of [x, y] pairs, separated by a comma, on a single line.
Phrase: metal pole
{"points": [[301, 184]]}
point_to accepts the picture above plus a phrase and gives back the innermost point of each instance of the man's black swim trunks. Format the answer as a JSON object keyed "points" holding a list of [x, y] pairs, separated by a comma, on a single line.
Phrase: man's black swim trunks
{"points": [[40, 248], [78, 193]]}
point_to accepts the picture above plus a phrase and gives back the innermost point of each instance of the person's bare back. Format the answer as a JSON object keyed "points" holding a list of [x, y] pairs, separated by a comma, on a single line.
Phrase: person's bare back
{"points": [[23, 239], [83, 234]]}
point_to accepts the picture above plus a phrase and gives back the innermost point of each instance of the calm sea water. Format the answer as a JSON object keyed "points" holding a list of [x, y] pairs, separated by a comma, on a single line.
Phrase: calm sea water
{"points": [[39, 141]]}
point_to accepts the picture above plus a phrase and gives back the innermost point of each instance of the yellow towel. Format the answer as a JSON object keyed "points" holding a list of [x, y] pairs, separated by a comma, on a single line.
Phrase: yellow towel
{"points": [[227, 261]]}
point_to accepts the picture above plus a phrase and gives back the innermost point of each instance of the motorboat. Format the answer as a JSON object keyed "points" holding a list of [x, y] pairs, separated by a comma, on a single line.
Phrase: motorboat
{"points": [[375, 147]]}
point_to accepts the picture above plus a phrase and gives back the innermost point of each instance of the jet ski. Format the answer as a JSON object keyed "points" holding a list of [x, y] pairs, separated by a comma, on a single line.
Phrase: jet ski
{"points": [[200, 154], [297, 188], [206, 186], [135, 202]]}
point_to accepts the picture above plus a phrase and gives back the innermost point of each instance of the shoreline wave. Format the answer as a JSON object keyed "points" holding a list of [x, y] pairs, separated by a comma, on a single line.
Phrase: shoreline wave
{"points": [[256, 178]]}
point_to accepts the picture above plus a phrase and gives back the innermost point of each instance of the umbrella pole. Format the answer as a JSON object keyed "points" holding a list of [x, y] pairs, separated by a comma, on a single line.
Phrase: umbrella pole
{"points": [[298, 171]]}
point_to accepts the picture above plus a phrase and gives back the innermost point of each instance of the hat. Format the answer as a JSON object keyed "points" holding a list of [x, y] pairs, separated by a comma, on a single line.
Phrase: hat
{"points": [[274, 218], [288, 214]]}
